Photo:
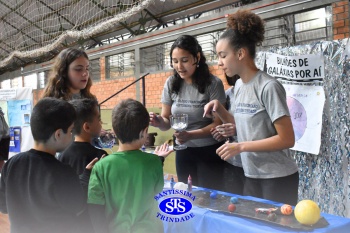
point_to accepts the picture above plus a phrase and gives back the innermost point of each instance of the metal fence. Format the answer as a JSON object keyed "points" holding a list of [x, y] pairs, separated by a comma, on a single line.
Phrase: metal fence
{"points": [[288, 30]]}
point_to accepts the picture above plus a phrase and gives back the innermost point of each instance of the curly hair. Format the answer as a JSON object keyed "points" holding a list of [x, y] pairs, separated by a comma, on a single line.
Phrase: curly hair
{"points": [[244, 29], [58, 84], [201, 77]]}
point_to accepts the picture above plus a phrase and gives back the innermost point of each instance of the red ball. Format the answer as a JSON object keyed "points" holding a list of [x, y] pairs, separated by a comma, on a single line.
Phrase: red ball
{"points": [[286, 209], [231, 207]]}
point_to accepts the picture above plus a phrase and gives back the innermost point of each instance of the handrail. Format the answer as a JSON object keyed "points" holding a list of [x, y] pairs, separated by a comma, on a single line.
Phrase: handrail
{"points": [[143, 90]]}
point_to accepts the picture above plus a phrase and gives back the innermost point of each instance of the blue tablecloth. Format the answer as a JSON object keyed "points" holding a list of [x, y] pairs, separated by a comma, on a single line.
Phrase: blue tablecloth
{"points": [[207, 221]]}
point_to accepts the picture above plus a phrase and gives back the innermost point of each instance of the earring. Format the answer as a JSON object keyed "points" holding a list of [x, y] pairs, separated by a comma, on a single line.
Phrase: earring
{"points": [[197, 65]]}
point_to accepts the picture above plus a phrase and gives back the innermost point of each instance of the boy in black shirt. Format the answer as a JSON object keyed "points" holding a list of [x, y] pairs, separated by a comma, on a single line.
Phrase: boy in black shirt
{"points": [[39, 193], [86, 127], [81, 152]]}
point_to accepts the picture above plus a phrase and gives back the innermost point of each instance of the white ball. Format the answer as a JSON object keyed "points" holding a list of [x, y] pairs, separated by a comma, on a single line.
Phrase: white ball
{"points": [[181, 186]]}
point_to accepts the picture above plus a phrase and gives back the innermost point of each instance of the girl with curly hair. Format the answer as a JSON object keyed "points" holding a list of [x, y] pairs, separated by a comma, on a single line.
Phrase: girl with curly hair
{"points": [[260, 112]]}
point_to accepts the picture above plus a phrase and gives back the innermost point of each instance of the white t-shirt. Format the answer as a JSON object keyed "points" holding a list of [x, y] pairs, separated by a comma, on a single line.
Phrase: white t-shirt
{"points": [[257, 104]]}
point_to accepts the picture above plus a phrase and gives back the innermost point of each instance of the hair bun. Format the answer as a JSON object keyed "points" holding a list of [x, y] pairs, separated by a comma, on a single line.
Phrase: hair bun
{"points": [[247, 24]]}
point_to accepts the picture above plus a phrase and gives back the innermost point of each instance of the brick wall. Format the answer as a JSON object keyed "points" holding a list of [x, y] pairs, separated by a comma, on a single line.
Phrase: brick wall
{"points": [[340, 20], [154, 87], [107, 87], [104, 89]]}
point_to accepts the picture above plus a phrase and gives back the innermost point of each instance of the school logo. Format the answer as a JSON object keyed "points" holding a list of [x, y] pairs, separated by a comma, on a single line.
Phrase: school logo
{"points": [[175, 205]]}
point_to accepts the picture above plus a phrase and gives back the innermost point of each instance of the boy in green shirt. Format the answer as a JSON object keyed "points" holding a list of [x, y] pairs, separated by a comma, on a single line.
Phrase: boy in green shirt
{"points": [[123, 185]]}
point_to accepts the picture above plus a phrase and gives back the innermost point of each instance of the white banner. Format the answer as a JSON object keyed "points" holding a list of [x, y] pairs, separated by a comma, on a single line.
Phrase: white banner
{"points": [[302, 67], [7, 94]]}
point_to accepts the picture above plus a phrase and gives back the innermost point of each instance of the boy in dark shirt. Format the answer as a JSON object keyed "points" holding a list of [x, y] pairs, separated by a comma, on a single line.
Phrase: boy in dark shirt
{"points": [[39, 193], [81, 152], [86, 127]]}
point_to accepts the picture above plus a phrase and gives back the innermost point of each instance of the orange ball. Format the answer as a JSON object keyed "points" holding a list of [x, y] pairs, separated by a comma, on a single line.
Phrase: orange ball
{"points": [[231, 207], [286, 209]]}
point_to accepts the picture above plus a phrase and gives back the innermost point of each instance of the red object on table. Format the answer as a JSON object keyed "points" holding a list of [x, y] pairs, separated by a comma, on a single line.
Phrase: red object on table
{"points": [[231, 207]]}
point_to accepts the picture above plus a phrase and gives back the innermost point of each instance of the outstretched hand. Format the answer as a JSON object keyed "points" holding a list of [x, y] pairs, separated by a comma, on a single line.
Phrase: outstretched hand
{"points": [[163, 150], [93, 162]]}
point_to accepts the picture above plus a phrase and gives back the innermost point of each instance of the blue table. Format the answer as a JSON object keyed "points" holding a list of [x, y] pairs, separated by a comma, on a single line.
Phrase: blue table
{"points": [[207, 221]]}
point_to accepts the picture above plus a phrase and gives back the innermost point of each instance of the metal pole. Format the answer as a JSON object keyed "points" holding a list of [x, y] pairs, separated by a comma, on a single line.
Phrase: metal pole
{"points": [[144, 91], [143, 77]]}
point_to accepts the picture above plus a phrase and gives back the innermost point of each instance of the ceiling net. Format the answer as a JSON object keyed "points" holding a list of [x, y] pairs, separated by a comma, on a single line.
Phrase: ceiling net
{"points": [[35, 30]]}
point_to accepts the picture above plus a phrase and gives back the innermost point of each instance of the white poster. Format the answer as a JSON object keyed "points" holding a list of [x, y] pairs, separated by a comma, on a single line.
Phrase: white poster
{"points": [[19, 112], [302, 67], [19, 107], [305, 105]]}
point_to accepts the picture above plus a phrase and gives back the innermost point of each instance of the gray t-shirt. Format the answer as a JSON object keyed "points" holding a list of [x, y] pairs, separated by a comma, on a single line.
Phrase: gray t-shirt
{"points": [[257, 104], [235, 160], [190, 101]]}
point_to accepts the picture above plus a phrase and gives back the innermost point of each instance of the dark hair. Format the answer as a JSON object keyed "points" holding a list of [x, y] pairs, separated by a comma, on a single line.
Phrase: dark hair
{"points": [[244, 29], [232, 80], [49, 115], [129, 118], [201, 76], [85, 109], [58, 84]]}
